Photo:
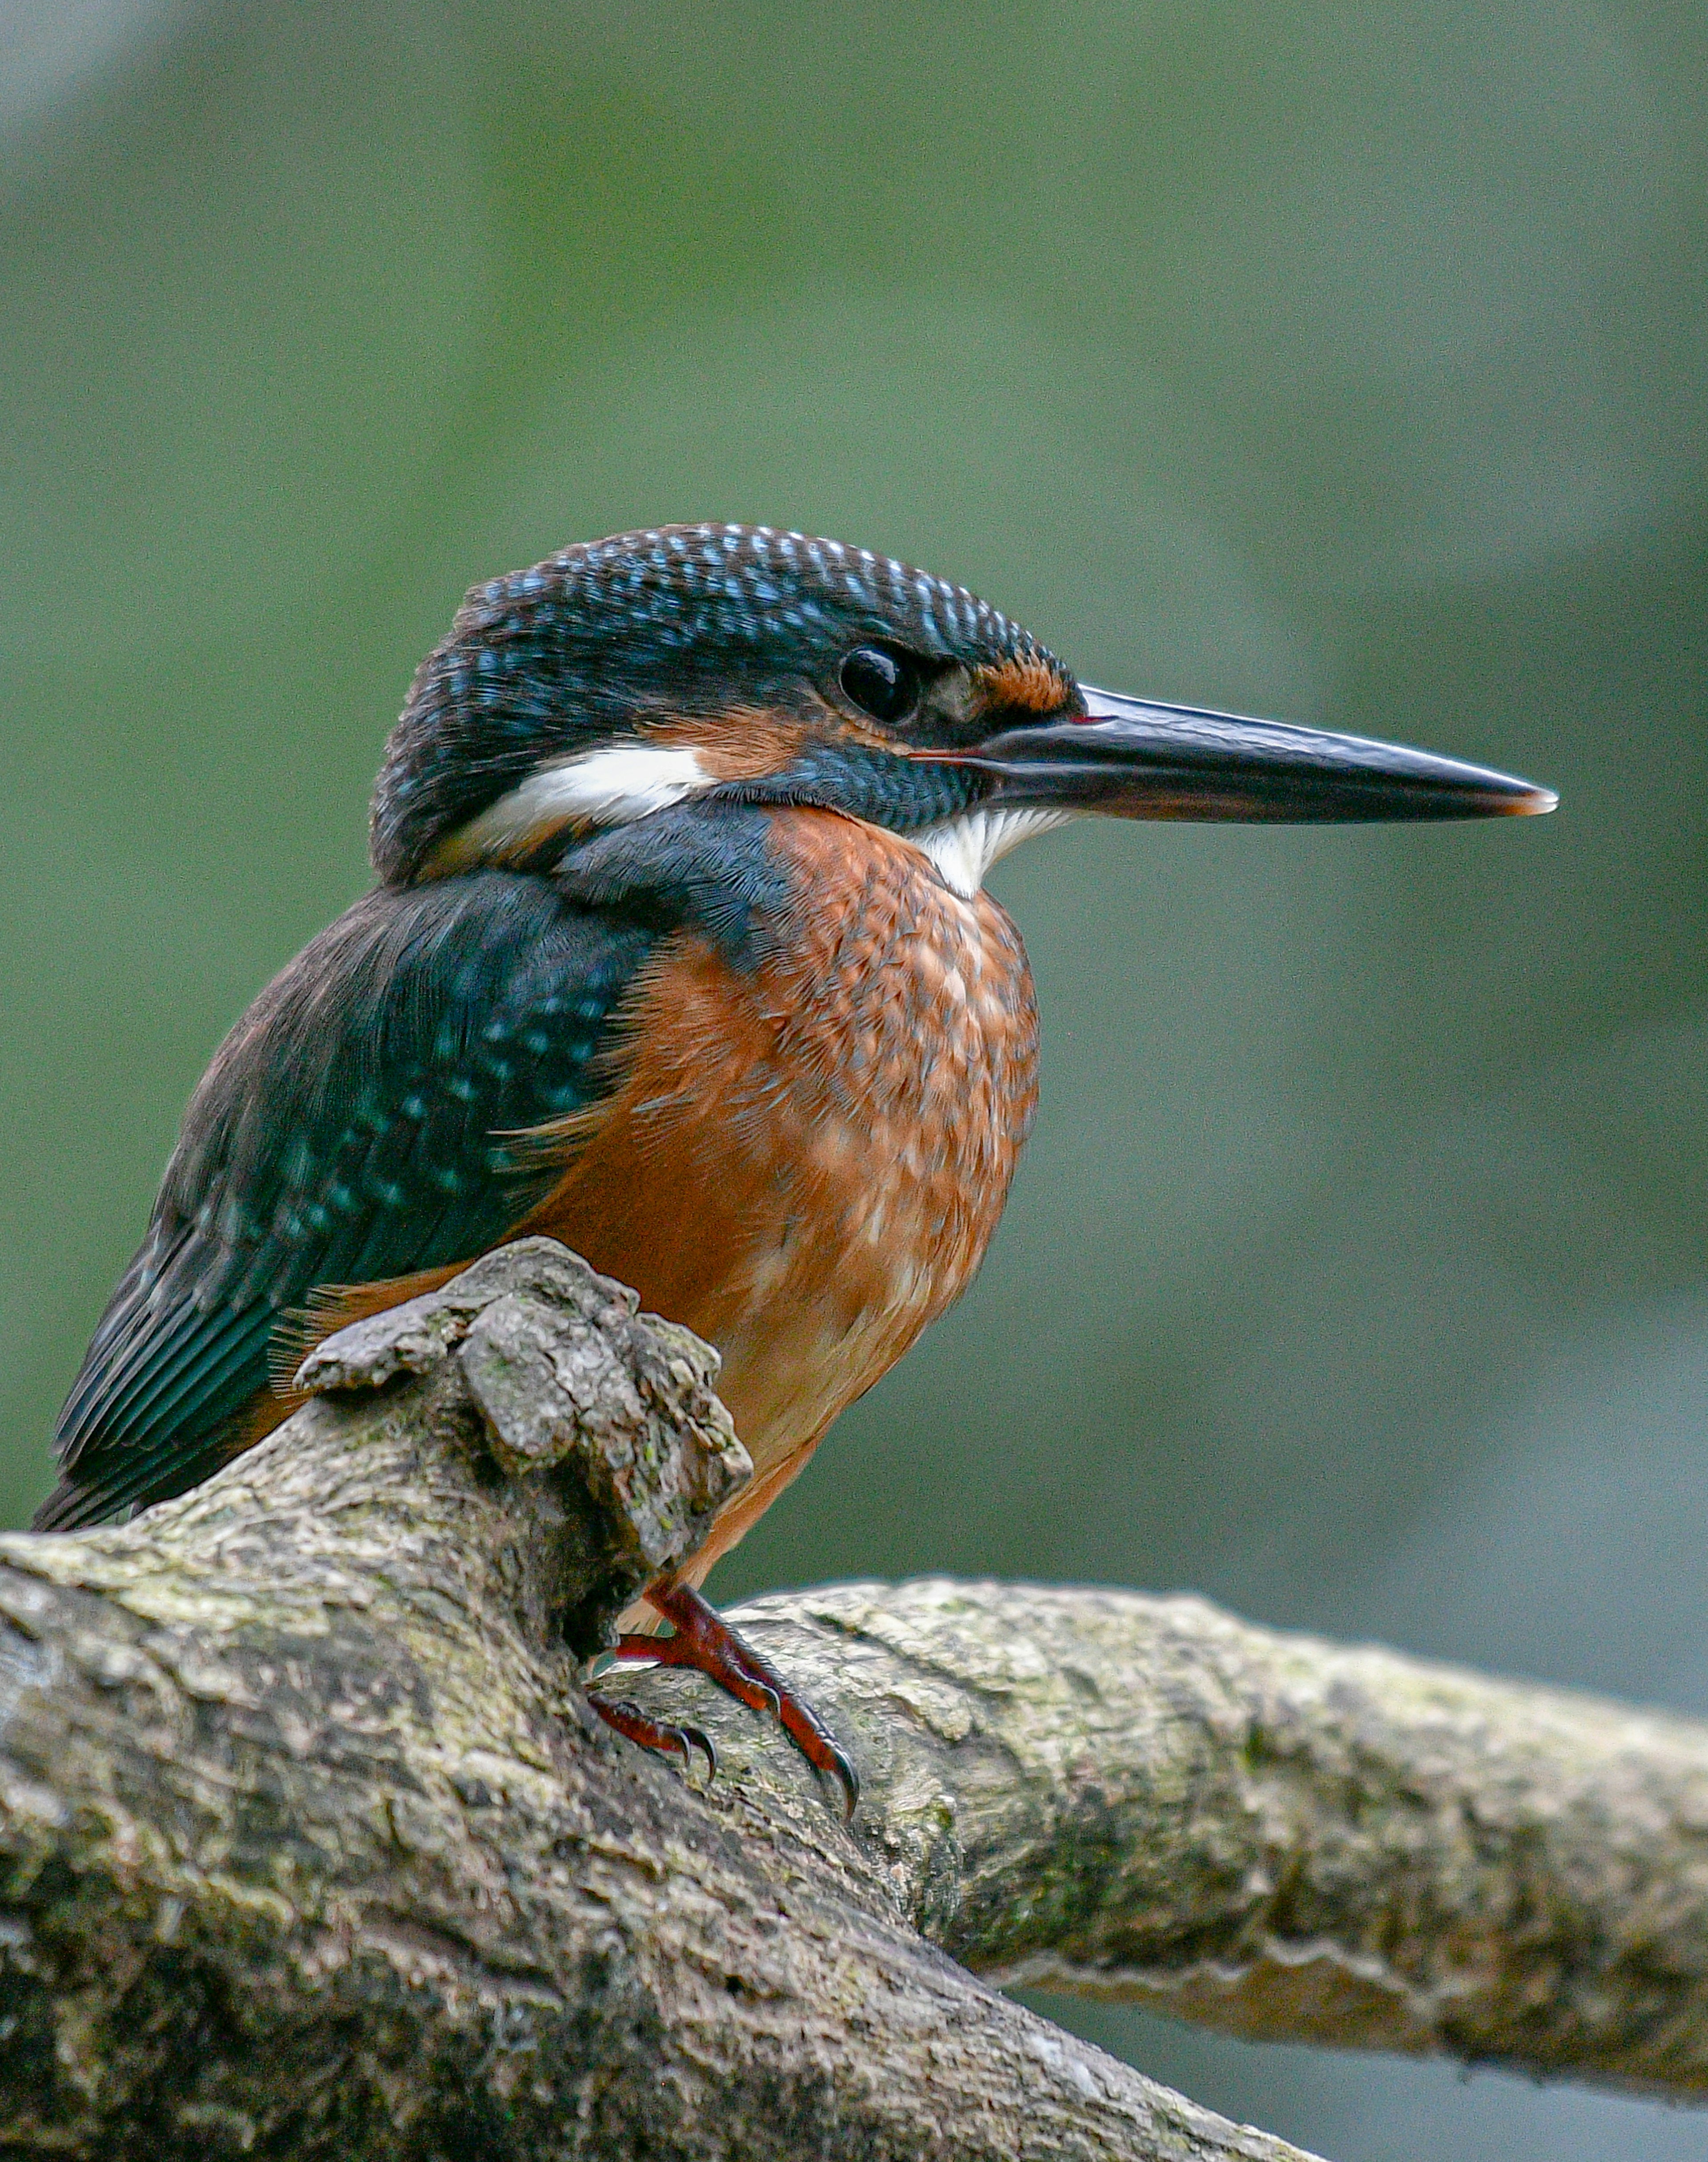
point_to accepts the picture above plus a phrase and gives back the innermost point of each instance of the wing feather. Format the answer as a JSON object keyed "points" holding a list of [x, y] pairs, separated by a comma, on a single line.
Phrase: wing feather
{"points": [[353, 1127]]}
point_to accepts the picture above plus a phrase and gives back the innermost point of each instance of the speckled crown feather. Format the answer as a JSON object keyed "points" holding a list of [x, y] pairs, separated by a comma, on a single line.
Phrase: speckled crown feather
{"points": [[679, 618]]}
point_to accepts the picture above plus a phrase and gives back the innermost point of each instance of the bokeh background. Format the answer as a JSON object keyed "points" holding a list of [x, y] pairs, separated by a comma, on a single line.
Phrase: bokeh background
{"points": [[1343, 364]]}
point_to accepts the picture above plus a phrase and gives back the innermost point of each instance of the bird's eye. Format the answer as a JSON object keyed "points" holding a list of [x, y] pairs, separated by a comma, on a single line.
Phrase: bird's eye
{"points": [[880, 683]]}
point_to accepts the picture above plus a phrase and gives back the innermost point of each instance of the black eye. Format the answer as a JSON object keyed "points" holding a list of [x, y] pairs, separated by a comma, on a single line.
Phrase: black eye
{"points": [[879, 684]]}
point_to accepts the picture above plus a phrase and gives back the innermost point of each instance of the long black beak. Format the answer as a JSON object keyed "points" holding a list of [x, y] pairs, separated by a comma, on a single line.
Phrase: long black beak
{"points": [[1131, 759]]}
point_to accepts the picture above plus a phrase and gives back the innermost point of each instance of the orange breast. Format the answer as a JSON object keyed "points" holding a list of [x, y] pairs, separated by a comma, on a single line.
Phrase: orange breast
{"points": [[806, 1162]]}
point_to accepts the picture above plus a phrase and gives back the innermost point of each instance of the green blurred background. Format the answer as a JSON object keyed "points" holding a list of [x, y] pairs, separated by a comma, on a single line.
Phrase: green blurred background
{"points": [[1345, 365]]}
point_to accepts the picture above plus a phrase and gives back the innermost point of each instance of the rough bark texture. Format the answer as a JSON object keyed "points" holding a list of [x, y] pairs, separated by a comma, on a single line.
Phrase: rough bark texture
{"points": [[1289, 1840], [311, 1846]]}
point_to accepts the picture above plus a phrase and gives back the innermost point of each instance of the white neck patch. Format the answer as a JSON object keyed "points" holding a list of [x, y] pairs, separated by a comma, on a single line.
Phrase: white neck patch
{"points": [[964, 849], [615, 783], [610, 786]]}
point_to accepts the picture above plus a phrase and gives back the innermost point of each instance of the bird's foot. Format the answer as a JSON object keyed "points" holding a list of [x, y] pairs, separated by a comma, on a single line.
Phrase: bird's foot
{"points": [[630, 1720], [704, 1640]]}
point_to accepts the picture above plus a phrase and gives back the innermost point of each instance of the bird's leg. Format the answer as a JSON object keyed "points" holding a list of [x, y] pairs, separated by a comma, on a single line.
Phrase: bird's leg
{"points": [[704, 1640], [630, 1720]]}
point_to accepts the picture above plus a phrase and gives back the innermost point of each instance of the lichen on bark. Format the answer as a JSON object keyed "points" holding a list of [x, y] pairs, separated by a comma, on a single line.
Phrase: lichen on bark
{"points": [[309, 1844]]}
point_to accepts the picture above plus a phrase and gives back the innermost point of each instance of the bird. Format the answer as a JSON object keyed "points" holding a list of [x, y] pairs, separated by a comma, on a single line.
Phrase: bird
{"points": [[679, 952]]}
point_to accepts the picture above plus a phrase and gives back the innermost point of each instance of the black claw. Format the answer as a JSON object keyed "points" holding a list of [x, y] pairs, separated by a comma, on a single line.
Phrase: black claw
{"points": [[841, 1765], [698, 1734]]}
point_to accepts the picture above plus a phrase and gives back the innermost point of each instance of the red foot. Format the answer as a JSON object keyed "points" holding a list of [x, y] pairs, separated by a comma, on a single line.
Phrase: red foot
{"points": [[629, 1719], [705, 1641]]}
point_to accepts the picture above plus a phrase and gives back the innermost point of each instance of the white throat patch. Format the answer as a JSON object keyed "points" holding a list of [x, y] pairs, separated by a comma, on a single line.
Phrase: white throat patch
{"points": [[964, 849]]}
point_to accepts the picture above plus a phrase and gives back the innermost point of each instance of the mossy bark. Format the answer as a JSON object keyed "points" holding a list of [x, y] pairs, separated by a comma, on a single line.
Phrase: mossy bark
{"points": [[311, 1844]]}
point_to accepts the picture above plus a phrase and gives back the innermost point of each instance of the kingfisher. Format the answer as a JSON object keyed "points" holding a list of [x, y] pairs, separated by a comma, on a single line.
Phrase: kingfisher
{"points": [[679, 952]]}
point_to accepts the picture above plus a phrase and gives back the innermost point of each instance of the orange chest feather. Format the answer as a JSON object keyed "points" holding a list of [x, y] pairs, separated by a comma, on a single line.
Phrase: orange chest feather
{"points": [[806, 1162]]}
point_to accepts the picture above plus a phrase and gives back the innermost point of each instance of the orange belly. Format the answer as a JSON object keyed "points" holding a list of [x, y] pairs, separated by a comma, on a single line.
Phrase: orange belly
{"points": [[805, 1164]]}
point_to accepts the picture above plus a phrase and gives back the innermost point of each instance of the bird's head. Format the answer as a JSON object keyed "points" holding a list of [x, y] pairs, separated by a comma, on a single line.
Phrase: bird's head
{"points": [[722, 663]]}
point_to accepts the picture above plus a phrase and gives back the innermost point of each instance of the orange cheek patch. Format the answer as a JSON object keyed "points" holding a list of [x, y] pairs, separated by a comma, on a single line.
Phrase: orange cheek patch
{"points": [[1028, 683], [746, 744]]}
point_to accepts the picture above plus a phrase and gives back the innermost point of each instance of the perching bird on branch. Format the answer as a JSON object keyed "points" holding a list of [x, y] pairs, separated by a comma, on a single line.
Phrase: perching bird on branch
{"points": [[680, 954]]}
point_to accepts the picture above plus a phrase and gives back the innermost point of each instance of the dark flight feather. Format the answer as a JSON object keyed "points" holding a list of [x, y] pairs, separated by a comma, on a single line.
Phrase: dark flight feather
{"points": [[356, 1125]]}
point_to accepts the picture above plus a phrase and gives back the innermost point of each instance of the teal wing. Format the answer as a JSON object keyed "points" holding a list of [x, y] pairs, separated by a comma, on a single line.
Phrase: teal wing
{"points": [[353, 1127]]}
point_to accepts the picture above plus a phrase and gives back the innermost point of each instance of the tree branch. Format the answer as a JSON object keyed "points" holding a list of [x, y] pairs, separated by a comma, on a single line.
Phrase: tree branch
{"points": [[311, 1844], [1292, 1841]]}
